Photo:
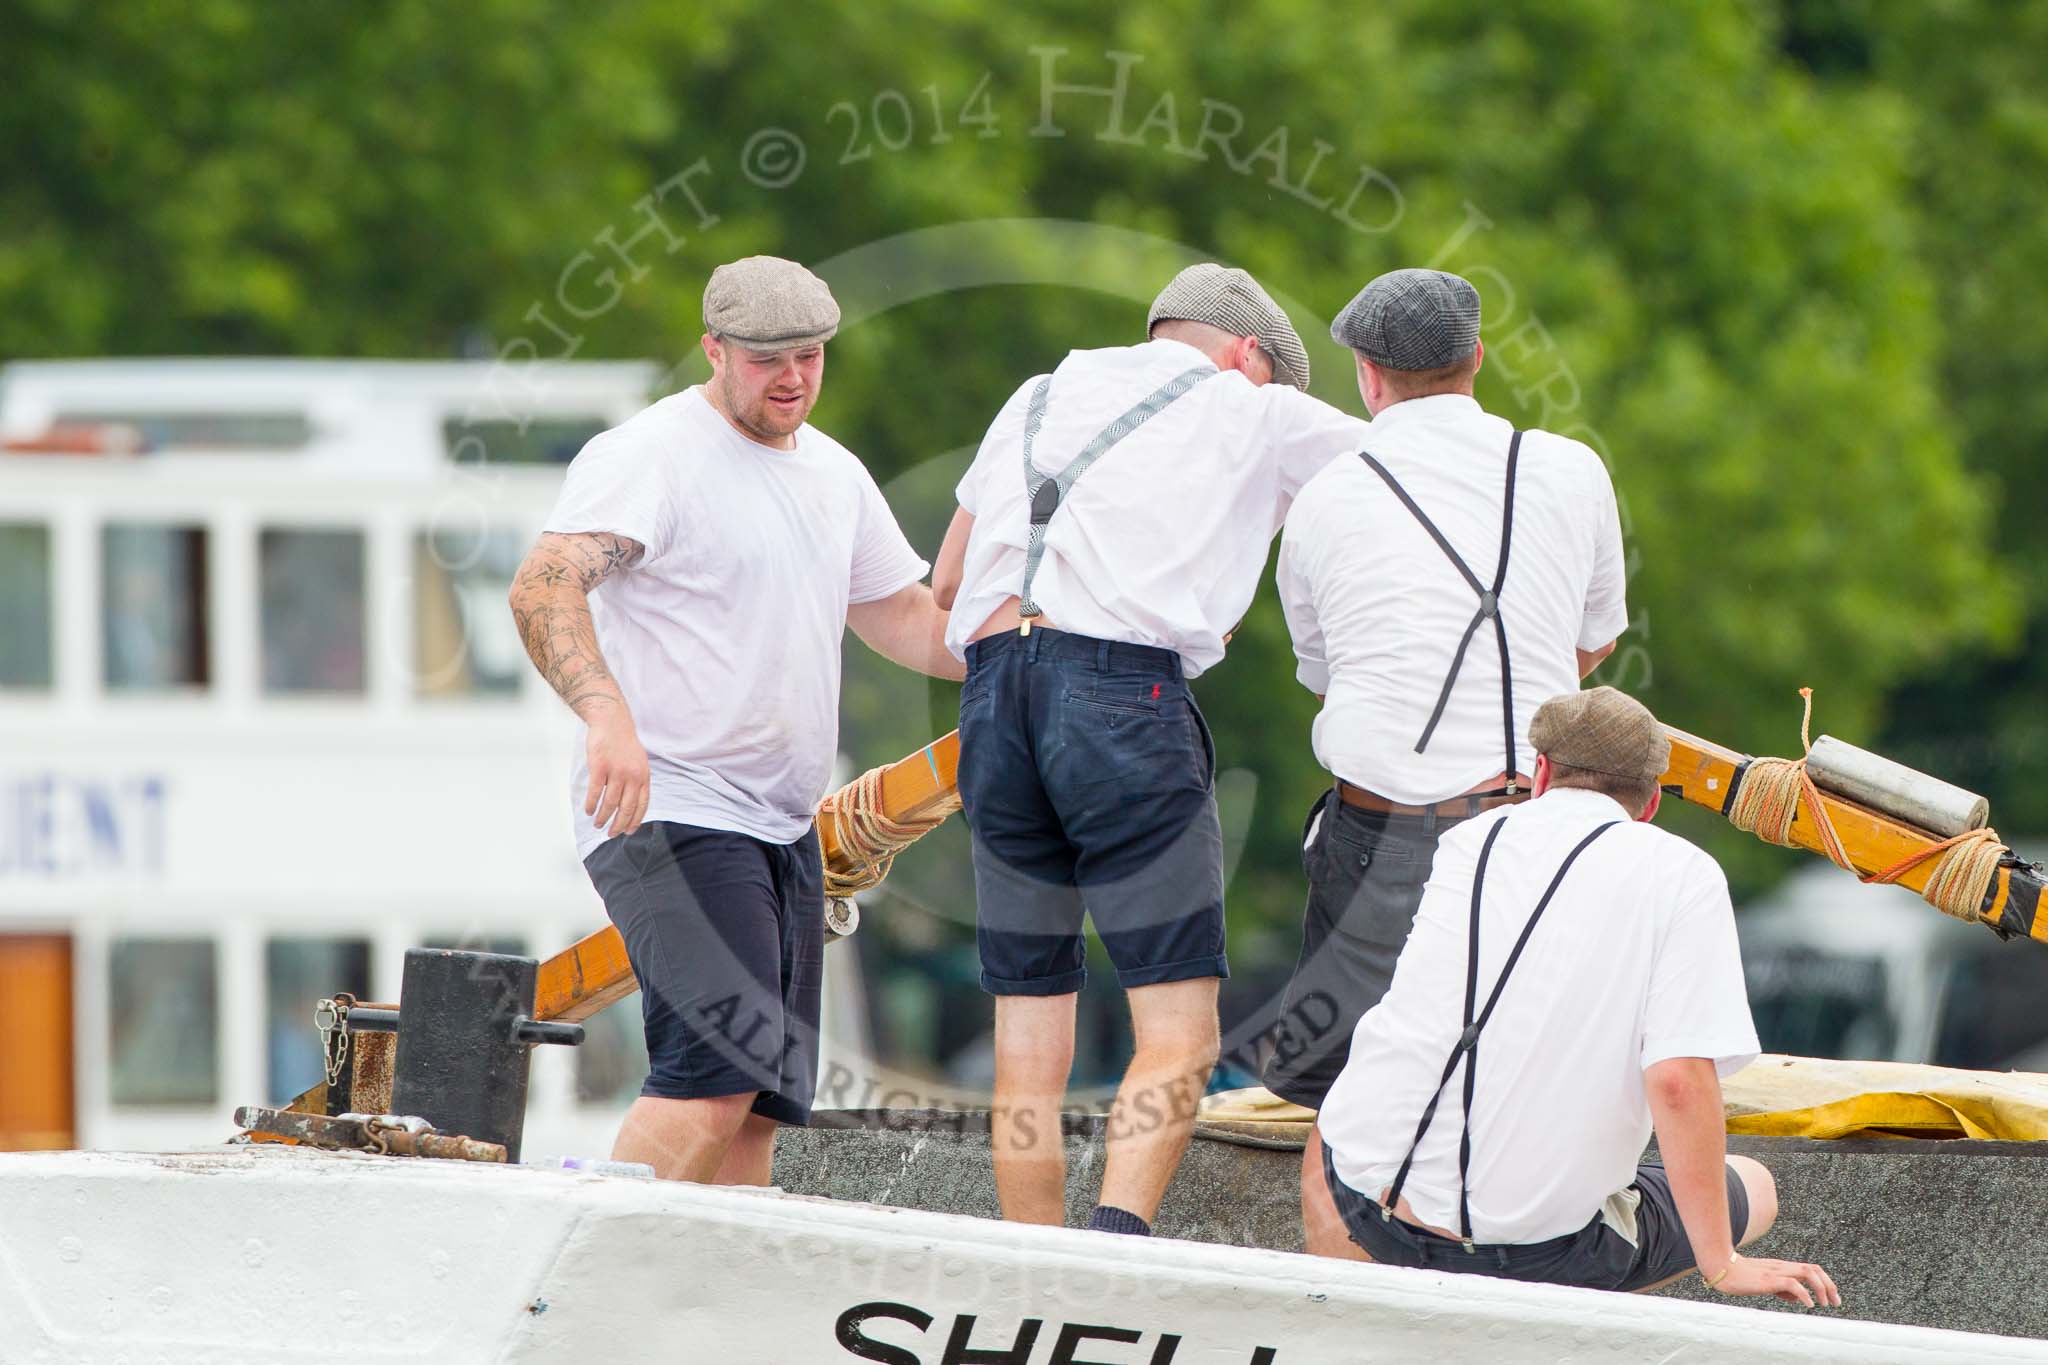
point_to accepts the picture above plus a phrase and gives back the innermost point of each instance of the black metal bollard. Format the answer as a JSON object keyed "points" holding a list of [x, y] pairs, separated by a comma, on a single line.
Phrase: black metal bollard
{"points": [[465, 1025]]}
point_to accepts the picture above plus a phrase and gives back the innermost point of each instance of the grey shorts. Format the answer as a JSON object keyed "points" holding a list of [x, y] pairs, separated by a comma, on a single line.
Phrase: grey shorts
{"points": [[1598, 1256], [1366, 870]]}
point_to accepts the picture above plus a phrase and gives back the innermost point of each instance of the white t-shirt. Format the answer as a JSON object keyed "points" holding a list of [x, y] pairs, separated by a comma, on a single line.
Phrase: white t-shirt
{"points": [[1635, 962], [725, 637], [1377, 609], [1162, 540]]}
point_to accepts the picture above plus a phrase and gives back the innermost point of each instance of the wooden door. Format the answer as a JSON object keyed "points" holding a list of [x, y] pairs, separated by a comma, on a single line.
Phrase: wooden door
{"points": [[36, 1110]]}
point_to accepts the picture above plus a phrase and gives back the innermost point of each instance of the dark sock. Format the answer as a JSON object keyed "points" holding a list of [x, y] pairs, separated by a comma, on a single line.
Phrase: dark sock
{"points": [[1108, 1218]]}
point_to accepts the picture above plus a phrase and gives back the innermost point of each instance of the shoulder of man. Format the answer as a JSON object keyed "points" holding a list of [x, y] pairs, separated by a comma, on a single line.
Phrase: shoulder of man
{"points": [[1676, 862], [659, 421], [1344, 477], [1567, 454], [642, 434]]}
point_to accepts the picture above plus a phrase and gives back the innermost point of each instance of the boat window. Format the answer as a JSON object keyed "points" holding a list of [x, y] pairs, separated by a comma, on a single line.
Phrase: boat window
{"points": [[280, 430], [611, 1065], [544, 440], [298, 973], [153, 606], [164, 1021], [25, 605], [1990, 1014], [1812, 1004], [312, 610], [466, 643]]}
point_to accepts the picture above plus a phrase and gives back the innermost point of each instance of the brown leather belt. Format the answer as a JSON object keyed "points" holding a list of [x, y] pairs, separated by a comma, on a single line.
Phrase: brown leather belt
{"points": [[1456, 806]]}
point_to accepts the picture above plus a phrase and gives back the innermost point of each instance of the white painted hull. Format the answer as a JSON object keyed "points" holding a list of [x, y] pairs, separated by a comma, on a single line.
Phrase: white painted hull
{"points": [[283, 1256]]}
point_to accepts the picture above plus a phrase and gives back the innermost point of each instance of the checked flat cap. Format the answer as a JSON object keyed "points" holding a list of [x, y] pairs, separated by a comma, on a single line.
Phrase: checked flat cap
{"points": [[768, 304], [1601, 730], [1232, 300], [1411, 320]]}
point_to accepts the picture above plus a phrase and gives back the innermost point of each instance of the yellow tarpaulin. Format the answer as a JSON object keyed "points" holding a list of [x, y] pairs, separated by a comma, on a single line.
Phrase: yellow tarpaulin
{"points": [[1794, 1097], [1808, 1097]]}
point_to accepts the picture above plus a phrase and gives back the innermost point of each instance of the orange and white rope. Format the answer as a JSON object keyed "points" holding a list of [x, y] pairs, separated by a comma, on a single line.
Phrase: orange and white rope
{"points": [[1775, 790]]}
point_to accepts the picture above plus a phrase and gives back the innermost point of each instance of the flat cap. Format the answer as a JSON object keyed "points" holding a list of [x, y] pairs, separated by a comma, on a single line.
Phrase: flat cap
{"points": [[768, 304], [1411, 320], [1603, 731], [1232, 300]]}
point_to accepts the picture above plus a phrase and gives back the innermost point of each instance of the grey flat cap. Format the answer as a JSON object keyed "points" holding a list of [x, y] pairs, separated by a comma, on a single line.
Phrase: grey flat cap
{"points": [[1411, 320], [1231, 299], [768, 304], [1604, 731]]}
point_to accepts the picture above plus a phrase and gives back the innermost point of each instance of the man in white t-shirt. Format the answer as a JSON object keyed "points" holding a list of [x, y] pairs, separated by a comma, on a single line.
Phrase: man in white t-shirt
{"points": [[1572, 983], [1437, 585], [1110, 535], [687, 599]]}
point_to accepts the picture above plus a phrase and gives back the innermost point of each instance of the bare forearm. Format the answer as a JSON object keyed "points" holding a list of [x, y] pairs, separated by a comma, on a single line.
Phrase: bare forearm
{"points": [[555, 626], [551, 607], [909, 629], [1692, 1135]]}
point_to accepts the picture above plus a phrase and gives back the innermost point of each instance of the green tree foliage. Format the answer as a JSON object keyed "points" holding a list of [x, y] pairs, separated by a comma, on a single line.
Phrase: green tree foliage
{"points": [[1977, 152], [1731, 267]]}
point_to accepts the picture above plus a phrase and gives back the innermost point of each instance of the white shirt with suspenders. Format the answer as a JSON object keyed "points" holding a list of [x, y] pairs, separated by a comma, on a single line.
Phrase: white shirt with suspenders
{"points": [[1603, 946], [1163, 542], [1399, 595]]}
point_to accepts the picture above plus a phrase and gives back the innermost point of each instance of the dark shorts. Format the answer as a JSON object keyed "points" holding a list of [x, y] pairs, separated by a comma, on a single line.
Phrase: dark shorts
{"points": [[1597, 1256], [727, 936], [1087, 779], [1366, 870]]}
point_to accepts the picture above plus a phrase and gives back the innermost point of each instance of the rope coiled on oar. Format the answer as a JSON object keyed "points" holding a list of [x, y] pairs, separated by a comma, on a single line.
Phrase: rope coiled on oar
{"points": [[1768, 802], [870, 839]]}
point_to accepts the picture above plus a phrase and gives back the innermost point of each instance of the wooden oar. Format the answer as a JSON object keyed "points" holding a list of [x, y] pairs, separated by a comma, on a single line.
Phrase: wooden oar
{"points": [[1706, 774], [589, 975], [593, 973]]}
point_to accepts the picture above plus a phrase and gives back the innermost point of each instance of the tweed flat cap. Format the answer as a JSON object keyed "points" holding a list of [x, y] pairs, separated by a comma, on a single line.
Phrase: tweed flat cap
{"points": [[1411, 320], [1601, 730], [768, 304], [1231, 299]]}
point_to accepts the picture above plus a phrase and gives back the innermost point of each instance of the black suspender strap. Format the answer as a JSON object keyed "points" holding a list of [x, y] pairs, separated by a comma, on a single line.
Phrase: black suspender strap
{"points": [[1489, 604], [1045, 491], [1467, 1048]]}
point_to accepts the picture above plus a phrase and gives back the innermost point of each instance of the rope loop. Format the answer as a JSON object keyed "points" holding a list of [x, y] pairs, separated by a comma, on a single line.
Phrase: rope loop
{"points": [[1773, 792], [869, 838]]}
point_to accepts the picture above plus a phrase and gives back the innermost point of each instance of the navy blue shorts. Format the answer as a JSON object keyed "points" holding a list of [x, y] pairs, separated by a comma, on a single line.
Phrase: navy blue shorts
{"points": [[1597, 1256], [1087, 777], [726, 934]]}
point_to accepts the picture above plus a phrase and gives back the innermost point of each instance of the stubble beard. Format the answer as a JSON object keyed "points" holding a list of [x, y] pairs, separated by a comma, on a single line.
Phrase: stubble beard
{"points": [[760, 421]]}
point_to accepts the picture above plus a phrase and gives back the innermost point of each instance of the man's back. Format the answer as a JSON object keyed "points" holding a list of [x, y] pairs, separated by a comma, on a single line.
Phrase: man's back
{"points": [[1635, 961], [1161, 541], [1377, 609]]}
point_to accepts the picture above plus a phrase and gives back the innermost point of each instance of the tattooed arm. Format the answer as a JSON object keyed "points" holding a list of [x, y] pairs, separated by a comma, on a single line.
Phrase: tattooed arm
{"points": [[551, 606]]}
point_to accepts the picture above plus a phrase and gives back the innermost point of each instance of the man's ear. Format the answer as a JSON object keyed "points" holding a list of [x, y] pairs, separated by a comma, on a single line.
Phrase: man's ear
{"points": [[714, 351], [1650, 811], [1368, 383], [1478, 355], [1542, 782], [1245, 355]]}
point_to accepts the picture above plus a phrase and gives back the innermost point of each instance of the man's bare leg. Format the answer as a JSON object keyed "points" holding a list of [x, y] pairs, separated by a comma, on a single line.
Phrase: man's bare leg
{"points": [[1034, 1056], [1326, 1233], [682, 1139], [1762, 1188], [1154, 1113], [751, 1157]]}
